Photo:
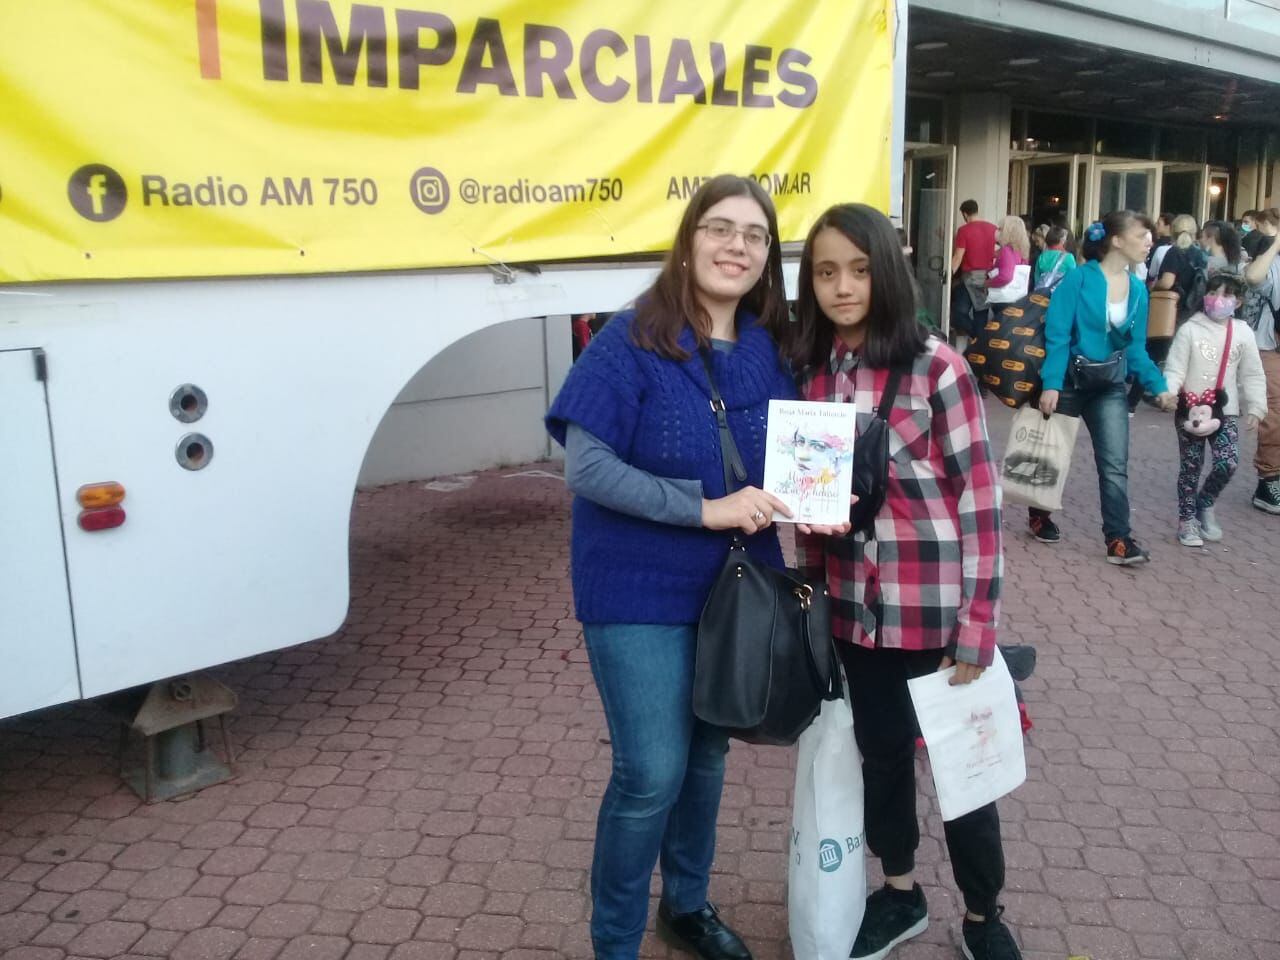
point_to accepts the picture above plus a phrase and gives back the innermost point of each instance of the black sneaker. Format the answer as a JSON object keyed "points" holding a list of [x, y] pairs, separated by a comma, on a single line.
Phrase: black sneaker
{"points": [[1125, 551], [1267, 495], [892, 916], [1043, 528], [989, 939]]}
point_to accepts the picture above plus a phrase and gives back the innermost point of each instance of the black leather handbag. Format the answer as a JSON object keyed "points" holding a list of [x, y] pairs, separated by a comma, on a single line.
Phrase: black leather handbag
{"points": [[765, 657], [1089, 375]]}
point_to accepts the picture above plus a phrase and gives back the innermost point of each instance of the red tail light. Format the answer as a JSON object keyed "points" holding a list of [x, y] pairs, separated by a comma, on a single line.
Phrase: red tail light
{"points": [[103, 518]]}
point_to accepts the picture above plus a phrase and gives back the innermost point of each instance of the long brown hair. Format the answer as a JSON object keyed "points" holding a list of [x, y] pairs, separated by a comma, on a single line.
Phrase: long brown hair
{"points": [[671, 304]]}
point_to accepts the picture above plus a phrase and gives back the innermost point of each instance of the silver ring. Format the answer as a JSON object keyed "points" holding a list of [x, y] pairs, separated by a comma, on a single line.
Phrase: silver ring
{"points": [[758, 515]]}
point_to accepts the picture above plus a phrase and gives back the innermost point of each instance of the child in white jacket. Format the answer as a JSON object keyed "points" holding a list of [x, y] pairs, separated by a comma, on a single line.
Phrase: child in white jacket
{"points": [[1195, 357]]}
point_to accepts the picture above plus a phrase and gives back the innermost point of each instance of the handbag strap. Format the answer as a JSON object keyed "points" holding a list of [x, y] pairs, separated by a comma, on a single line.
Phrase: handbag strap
{"points": [[1226, 354], [889, 395], [730, 459]]}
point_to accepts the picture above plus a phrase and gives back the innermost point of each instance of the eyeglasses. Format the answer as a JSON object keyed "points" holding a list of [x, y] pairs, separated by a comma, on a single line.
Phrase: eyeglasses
{"points": [[724, 231]]}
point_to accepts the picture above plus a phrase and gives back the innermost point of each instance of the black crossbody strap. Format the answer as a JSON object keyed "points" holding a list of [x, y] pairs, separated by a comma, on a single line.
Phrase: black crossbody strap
{"points": [[729, 456], [890, 394]]}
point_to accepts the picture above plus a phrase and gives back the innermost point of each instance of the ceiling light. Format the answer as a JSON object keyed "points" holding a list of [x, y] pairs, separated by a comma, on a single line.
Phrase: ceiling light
{"points": [[1023, 61], [1215, 190], [1092, 72], [1219, 116], [932, 45]]}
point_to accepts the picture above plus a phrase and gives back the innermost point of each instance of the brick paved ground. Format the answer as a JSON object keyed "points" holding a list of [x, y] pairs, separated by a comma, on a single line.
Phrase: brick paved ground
{"points": [[423, 784]]}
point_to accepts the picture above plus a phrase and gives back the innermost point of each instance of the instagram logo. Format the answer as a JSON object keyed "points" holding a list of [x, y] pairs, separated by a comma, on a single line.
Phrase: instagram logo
{"points": [[97, 192], [429, 190]]}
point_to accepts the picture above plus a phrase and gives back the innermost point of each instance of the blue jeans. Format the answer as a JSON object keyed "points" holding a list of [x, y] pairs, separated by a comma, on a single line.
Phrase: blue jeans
{"points": [[663, 797], [1106, 415]]}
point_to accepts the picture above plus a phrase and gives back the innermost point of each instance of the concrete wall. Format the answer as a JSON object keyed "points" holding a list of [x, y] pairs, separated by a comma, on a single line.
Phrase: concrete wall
{"points": [[982, 152], [478, 404]]}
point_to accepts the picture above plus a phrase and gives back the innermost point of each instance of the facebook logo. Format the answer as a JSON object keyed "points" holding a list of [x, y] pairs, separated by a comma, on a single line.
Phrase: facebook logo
{"points": [[97, 192]]}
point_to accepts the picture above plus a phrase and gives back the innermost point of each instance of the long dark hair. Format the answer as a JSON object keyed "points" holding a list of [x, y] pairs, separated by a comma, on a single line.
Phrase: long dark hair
{"points": [[1227, 238], [894, 337], [671, 304], [1095, 247]]}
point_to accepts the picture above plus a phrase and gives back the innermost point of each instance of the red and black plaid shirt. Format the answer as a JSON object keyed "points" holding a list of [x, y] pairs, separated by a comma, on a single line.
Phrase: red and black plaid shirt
{"points": [[930, 578]]}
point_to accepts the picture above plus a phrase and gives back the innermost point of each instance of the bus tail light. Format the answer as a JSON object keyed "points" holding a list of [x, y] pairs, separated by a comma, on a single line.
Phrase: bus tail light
{"points": [[101, 503]]}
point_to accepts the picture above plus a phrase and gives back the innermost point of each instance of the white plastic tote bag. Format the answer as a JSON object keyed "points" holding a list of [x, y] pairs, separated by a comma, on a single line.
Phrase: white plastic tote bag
{"points": [[1013, 291], [826, 873], [974, 736], [1037, 457]]}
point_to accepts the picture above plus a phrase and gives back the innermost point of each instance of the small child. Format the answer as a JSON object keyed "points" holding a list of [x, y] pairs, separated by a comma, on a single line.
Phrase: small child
{"points": [[1194, 360]]}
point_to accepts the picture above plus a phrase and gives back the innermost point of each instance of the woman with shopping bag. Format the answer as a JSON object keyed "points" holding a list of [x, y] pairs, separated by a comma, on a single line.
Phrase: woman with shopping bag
{"points": [[910, 595], [1010, 279], [1095, 336]]}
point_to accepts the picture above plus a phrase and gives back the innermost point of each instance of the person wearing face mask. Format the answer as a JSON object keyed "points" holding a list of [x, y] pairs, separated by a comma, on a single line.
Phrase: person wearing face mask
{"points": [[651, 522], [1195, 360], [1251, 238]]}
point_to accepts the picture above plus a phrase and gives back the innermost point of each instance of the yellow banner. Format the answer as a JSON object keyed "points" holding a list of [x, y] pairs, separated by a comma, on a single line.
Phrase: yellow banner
{"points": [[212, 137]]}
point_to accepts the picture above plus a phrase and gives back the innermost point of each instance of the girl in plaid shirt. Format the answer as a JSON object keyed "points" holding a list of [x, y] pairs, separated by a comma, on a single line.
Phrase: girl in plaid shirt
{"points": [[921, 591]]}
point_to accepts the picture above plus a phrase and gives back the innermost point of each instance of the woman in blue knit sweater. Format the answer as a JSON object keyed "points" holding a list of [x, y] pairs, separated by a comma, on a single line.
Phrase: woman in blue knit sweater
{"points": [[642, 456]]}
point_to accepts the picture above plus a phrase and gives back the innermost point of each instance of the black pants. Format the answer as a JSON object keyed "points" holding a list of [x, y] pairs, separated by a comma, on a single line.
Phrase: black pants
{"points": [[884, 725]]}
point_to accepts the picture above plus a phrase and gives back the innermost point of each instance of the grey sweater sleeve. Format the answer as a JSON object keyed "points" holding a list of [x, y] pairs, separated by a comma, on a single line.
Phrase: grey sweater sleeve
{"points": [[594, 471]]}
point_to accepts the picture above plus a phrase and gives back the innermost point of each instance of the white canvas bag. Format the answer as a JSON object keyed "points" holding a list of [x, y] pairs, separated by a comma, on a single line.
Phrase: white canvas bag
{"points": [[974, 736], [1037, 458], [826, 873], [1015, 289]]}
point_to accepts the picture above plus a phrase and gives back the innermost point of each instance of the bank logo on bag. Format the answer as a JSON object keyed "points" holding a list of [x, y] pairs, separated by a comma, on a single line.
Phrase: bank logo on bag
{"points": [[830, 856]]}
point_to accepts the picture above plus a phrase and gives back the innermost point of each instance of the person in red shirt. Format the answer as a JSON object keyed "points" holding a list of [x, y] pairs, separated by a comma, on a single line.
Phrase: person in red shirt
{"points": [[975, 254]]}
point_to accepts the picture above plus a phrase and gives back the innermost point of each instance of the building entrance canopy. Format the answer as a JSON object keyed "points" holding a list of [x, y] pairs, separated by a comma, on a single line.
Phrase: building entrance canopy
{"points": [[1087, 62]]}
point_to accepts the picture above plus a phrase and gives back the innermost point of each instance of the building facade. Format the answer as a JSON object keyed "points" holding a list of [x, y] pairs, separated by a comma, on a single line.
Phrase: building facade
{"points": [[1073, 109]]}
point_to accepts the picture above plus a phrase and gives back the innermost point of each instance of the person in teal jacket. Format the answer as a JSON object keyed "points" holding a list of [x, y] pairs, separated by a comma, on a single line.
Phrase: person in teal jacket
{"points": [[1099, 313]]}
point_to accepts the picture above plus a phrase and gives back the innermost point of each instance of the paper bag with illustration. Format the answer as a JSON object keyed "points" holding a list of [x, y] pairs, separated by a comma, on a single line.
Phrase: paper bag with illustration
{"points": [[974, 736]]}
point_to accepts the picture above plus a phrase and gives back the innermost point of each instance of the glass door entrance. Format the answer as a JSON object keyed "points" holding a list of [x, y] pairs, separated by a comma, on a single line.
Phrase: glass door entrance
{"points": [[1185, 190], [1126, 186], [929, 216], [1044, 188]]}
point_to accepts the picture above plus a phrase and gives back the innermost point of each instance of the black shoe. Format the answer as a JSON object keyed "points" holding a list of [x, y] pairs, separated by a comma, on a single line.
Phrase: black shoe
{"points": [[701, 933], [1126, 551], [1043, 528], [989, 939], [892, 916], [1267, 495]]}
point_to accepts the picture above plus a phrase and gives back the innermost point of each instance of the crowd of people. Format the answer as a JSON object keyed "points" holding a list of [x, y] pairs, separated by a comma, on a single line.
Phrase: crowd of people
{"points": [[1215, 363]]}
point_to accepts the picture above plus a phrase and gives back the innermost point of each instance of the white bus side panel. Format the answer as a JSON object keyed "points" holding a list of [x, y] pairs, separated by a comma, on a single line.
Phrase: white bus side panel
{"points": [[37, 648], [250, 553]]}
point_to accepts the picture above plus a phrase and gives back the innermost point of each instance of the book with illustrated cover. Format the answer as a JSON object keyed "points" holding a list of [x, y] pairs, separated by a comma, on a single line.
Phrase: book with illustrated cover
{"points": [[808, 453]]}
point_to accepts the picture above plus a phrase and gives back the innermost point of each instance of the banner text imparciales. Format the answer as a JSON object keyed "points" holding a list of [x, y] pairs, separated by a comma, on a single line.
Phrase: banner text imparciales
{"points": [[603, 65]]}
